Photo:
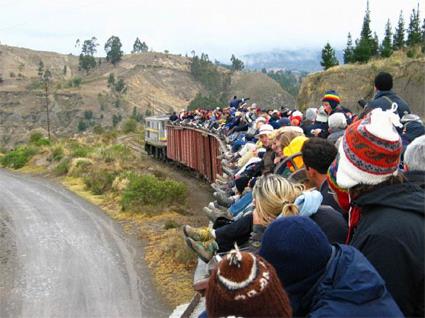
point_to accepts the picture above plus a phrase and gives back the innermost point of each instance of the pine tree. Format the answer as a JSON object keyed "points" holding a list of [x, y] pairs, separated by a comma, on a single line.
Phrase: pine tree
{"points": [[366, 32], [349, 51], [374, 44], [398, 40], [328, 57], [414, 31], [386, 48], [366, 46]]}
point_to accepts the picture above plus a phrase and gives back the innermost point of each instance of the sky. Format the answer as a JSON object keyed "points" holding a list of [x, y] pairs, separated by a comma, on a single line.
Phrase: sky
{"points": [[219, 28]]}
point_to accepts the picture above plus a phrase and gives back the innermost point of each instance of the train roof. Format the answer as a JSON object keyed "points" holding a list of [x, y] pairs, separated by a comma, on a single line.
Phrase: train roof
{"points": [[158, 117]]}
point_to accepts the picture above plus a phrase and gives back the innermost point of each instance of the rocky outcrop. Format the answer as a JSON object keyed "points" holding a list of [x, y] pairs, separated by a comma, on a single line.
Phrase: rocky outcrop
{"points": [[354, 82]]}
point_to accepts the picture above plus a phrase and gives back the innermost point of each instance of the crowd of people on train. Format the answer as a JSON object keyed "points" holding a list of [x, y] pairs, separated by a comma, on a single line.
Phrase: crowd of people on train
{"points": [[317, 213]]}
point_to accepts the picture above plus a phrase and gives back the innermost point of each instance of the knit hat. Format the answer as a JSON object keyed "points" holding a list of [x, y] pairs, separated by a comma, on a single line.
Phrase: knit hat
{"points": [[297, 248], [245, 285], [265, 129], [342, 195], [370, 150], [332, 98], [296, 117]]}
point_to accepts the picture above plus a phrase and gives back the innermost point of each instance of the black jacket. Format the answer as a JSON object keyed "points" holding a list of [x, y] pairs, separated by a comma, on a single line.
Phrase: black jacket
{"points": [[416, 177], [391, 236], [332, 224]]}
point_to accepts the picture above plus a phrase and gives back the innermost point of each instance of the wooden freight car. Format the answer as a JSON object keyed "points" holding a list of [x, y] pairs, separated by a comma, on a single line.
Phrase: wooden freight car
{"points": [[192, 147]]}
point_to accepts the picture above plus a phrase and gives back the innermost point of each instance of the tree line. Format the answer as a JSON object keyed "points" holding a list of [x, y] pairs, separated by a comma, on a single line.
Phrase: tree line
{"points": [[112, 48], [368, 45]]}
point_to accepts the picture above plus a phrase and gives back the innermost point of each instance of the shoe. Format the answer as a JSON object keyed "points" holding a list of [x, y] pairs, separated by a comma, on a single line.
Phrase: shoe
{"points": [[204, 250], [219, 188], [223, 199], [198, 233], [214, 214], [221, 177]]}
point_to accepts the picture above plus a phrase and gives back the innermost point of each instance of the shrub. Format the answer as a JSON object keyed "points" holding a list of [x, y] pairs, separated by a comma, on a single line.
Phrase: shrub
{"points": [[18, 158], [99, 181], [79, 151], [116, 152], [63, 167], [80, 167], [57, 153], [98, 129], [130, 126], [36, 136], [82, 126], [147, 190], [171, 224], [88, 114]]}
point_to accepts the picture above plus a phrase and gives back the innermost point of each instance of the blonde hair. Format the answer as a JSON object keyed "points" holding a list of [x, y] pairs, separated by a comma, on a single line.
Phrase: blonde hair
{"points": [[274, 196]]}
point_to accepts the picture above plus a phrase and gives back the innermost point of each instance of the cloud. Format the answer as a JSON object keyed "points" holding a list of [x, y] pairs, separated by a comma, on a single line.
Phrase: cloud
{"points": [[220, 27]]}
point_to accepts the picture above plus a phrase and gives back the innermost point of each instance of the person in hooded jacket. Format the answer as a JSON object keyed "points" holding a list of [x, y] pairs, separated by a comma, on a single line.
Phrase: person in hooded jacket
{"points": [[385, 96], [324, 280], [386, 221], [414, 158]]}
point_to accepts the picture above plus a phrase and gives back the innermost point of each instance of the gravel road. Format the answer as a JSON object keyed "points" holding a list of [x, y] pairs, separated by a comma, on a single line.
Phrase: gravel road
{"points": [[60, 256]]}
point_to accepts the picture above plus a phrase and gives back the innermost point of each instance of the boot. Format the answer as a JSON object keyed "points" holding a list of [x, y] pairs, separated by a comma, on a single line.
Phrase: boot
{"points": [[198, 234], [204, 250]]}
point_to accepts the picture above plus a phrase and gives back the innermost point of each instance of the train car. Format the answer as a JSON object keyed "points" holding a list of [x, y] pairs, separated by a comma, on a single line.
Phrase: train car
{"points": [[156, 136], [189, 146]]}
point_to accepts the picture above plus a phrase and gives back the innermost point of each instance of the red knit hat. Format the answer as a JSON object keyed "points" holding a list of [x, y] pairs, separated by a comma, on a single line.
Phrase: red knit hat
{"points": [[245, 285], [370, 150]]}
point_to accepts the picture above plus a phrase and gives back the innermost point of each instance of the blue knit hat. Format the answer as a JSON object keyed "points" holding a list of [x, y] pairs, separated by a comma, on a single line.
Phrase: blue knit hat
{"points": [[296, 247]]}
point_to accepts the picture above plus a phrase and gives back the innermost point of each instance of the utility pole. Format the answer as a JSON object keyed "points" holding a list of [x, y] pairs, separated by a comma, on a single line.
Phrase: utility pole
{"points": [[46, 95], [46, 80]]}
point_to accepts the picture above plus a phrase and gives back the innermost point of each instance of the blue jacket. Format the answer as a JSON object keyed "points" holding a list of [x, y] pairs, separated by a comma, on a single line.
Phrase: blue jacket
{"points": [[349, 287], [381, 101]]}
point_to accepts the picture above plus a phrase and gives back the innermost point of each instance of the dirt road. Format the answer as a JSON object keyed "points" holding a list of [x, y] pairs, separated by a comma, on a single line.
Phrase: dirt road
{"points": [[62, 257]]}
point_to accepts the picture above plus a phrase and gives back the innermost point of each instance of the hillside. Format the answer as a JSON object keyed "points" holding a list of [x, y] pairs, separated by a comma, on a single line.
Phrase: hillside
{"points": [[156, 82], [354, 82]]}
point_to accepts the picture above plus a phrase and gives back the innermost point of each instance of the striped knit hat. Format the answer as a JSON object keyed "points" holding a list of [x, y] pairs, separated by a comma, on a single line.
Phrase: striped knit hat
{"points": [[370, 150], [245, 285], [332, 98]]}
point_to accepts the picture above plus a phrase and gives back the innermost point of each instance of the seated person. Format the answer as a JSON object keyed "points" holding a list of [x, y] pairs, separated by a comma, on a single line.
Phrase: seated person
{"points": [[324, 280]]}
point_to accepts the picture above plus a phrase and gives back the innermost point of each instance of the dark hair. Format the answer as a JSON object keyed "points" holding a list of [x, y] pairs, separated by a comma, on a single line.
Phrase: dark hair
{"points": [[384, 81], [318, 153]]}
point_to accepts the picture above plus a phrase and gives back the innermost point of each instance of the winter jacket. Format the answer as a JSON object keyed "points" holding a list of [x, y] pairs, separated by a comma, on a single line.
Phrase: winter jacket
{"points": [[412, 130], [349, 287], [391, 236], [416, 177], [333, 137], [381, 101]]}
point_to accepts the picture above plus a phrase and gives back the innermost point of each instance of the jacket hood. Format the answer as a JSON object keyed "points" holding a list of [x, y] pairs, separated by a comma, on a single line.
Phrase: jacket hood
{"points": [[347, 278], [351, 287], [405, 196]]}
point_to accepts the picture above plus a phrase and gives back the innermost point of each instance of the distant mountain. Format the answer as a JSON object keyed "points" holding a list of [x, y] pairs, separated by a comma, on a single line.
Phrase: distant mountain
{"points": [[302, 60]]}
